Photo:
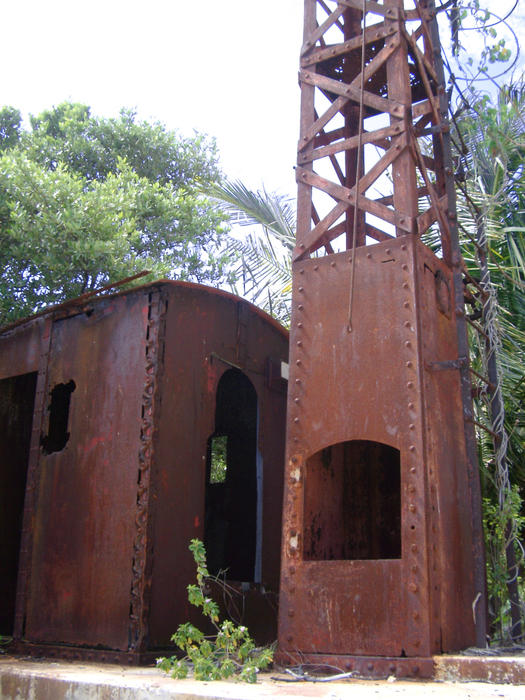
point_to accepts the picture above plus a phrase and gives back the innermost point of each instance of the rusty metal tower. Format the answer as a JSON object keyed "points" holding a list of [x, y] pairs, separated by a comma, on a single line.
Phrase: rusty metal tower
{"points": [[382, 562]]}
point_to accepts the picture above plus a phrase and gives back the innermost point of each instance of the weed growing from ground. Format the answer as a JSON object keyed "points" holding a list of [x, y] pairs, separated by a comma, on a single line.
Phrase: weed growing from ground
{"points": [[231, 652]]}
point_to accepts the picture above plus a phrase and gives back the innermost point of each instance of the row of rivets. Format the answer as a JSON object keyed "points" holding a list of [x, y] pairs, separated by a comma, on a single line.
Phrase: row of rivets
{"points": [[413, 458], [295, 470], [436, 607], [298, 363]]}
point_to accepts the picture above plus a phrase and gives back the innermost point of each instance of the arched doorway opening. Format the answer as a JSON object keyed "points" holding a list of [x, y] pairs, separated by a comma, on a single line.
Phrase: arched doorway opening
{"points": [[231, 527]]}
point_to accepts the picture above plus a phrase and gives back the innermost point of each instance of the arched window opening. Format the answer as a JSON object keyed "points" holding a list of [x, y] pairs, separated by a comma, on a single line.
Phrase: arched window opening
{"points": [[231, 480], [352, 503]]}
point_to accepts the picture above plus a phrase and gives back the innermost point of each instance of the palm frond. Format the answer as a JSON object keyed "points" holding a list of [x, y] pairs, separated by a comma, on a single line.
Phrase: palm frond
{"points": [[262, 275], [274, 212]]}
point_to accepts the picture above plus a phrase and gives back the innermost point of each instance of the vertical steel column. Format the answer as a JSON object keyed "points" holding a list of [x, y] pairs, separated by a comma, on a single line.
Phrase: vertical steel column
{"points": [[387, 395]]}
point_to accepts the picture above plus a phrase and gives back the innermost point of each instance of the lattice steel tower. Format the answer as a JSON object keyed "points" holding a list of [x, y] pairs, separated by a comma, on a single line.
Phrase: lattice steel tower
{"points": [[382, 561]]}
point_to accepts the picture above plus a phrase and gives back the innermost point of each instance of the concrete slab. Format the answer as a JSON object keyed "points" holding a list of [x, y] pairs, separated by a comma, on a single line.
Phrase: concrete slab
{"points": [[490, 669], [22, 679]]}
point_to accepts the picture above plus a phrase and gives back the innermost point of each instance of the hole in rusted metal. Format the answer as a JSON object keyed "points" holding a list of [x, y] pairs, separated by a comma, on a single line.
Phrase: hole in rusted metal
{"points": [[17, 398], [57, 436], [352, 503], [230, 532]]}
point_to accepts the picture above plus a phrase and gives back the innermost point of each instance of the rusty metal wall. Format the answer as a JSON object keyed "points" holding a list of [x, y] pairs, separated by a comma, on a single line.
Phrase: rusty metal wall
{"points": [[115, 480], [456, 599], [205, 336], [372, 384], [80, 571], [21, 349]]}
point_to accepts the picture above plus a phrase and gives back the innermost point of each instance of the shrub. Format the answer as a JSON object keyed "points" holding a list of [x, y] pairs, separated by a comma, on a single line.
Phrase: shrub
{"points": [[230, 652]]}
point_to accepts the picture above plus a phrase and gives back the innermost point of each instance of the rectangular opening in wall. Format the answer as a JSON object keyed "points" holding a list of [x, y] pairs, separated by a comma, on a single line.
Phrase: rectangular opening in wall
{"points": [[352, 503], [17, 398], [218, 459]]}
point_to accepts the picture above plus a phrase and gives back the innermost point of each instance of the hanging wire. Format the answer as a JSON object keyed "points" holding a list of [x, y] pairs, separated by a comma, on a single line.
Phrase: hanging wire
{"points": [[357, 173], [500, 20]]}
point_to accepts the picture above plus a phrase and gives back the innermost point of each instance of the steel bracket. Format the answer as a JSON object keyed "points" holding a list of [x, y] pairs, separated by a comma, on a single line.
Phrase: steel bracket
{"points": [[447, 364]]}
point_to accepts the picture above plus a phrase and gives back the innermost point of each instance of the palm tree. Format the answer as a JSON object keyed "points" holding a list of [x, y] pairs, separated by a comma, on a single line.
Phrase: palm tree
{"points": [[263, 274], [491, 207]]}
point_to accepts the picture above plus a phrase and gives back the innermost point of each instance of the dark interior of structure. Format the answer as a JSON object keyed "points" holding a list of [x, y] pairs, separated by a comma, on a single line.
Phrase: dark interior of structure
{"points": [[352, 505], [17, 398], [231, 480]]}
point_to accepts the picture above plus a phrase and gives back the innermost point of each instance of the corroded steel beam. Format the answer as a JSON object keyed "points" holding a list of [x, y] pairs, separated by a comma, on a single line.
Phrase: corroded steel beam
{"points": [[382, 548]]}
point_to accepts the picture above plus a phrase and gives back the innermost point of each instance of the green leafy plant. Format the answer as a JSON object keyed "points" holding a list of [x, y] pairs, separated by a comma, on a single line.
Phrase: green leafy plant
{"points": [[495, 520], [86, 201], [230, 652], [219, 459]]}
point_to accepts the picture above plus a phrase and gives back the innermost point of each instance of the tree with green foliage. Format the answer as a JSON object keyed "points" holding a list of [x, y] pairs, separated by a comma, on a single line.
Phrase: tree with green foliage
{"points": [[85, 201], [479, 16]]}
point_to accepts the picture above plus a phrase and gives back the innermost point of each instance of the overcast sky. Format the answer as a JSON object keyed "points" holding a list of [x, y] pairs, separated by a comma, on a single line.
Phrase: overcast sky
{"points": [[225, 67]]}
